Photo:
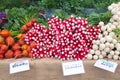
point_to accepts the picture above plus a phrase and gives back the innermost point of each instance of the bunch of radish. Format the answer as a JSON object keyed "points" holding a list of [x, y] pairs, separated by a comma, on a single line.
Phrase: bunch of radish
{"points": [[68, 39], [107, 45]]}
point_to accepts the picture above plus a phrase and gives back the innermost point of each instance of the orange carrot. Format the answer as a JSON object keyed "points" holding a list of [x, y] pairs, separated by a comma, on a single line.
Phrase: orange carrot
{"points": [[25, 53], [30, 55], [29, 24], [5, 33], [19, 36], [9, 41], [16, 46], [20, 41], [32, 44], [24, 28], [9, 54], [33, 20], [4, 47], [1, 39], [1, 56], [17, 54], [24, 47]]}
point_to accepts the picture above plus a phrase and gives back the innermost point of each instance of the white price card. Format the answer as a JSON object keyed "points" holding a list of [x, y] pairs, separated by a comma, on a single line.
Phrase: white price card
{"points": [[19, 66], [72, 68], [106, 65]]}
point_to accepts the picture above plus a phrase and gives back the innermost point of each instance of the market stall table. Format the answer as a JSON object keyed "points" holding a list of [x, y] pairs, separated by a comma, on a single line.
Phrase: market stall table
{"points": [[51, 69]]}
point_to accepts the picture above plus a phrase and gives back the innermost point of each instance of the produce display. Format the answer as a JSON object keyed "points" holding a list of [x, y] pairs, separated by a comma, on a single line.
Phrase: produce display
{"points": [[29, 35], [68, 39], [108, 45], [15, 46]]}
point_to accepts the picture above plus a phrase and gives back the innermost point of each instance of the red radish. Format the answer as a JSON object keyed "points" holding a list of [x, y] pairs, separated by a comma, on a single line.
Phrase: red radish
{"points": [[68, 39]]}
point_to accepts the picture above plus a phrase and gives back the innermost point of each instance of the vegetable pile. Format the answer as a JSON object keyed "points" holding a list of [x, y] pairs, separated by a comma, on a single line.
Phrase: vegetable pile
{"points": [[108, 45], [68, 39], [11, 47]]}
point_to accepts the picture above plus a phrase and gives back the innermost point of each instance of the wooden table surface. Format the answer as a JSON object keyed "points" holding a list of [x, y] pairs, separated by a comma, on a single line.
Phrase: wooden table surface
{"points": [[51, 69]]}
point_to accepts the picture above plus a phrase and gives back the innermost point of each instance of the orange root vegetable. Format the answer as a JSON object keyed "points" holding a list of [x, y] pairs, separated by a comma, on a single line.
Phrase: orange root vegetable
{"points": [[29, 24], [25, 53], [1, 56], [5, 33], [20, 41], [19, 36], [16, 46], [9, 54], [10, 41], [24, 28], [32, 44], [4, 47], [17, 54], [30, 55], [28, 48], [1, 39], [33, 20], [24, 47], [2, 52]]}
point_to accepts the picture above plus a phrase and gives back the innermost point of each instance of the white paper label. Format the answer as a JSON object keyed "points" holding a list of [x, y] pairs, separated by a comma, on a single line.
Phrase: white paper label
{"points": [[106, 65], [72, 68], [19, 66]]}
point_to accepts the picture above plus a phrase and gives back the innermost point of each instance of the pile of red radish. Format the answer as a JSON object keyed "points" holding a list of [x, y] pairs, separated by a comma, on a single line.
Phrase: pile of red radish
{"points": [[68, 39]]}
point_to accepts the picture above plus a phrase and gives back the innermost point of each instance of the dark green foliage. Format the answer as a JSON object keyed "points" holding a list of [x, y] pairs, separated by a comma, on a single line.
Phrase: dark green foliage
{"points": [[64, 8]]}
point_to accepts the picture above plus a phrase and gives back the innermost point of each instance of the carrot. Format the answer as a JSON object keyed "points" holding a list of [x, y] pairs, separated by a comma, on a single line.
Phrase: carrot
{"points": [[25, 53], [19, 36], [20, 41], [9, 54], [29, 24], [5, 33], [32, 44], [30, 55], [16, 46], [24, 47], [1, 39], [28, 48], [4, 47], [1, 56], [24, 28], [23, 36], [10, 41], [33, 20], [2, 52], [17, 54]]}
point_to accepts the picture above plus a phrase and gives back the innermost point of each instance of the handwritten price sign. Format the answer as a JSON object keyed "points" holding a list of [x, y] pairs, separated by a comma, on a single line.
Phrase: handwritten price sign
{"points": [[106, 65], [19, 66]]}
